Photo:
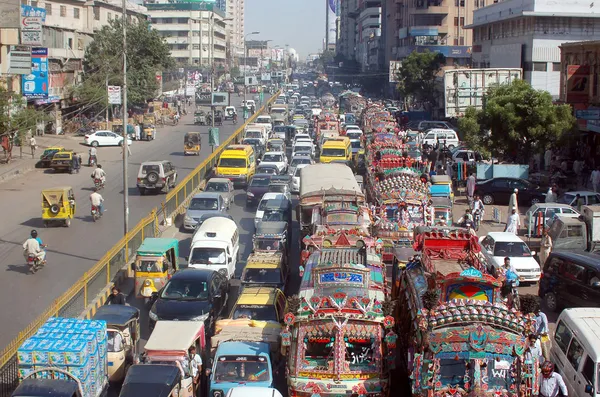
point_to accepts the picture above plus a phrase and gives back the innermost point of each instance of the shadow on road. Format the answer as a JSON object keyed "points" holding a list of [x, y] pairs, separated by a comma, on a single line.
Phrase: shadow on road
{"points": [[23, 269], [53, 251], [33, 222]]}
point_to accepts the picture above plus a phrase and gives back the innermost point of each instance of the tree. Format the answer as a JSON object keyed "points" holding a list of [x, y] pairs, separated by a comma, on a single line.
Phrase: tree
{"points": [[326, 58], [516, 121], [147, 53], [417, 75]]}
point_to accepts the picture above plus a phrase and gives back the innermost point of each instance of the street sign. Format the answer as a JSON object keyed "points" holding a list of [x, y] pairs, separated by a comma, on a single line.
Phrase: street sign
{"points": [[32, 20], [265, 77], [251, 80], [114, 94], [220, 99], [213, 136], [394, 69], [20, 60], [587, 114]]}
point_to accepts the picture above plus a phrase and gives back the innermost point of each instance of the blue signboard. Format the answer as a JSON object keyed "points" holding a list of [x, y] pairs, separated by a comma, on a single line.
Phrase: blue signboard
{"points": [[341, 277], [28, 11], [35, 84], [588, 114], [455, 51], [423, 31]]}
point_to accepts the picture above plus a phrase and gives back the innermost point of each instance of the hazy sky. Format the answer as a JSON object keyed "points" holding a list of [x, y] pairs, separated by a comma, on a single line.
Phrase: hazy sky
{"points": [[299, 23]]}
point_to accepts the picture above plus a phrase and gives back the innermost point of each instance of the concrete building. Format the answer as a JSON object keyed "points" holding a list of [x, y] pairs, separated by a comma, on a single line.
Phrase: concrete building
{"points": [[195, 31], [360, 33], [235, 27], [434, 25], [528, 34], [346, 44]]}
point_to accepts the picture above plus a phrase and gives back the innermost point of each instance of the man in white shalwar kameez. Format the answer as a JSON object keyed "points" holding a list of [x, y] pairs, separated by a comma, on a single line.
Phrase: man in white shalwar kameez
{"points": [[513, 224], [512, 202]]}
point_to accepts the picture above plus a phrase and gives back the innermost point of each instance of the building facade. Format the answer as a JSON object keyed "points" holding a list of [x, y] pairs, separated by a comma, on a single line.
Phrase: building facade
{"points": [[359, 36], [528, 34], [235, 27], [346, 44]]}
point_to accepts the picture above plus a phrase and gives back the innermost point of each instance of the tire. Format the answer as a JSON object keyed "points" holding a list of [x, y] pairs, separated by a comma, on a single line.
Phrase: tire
{"points": [[152, 177], [551, 301], [94, 144], [487, 199], [142, 191], [54, 209], [535, 200], [67, 222]]}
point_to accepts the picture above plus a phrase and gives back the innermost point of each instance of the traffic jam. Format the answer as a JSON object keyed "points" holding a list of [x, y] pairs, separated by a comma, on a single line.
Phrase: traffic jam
{"points": [[364, 268]]}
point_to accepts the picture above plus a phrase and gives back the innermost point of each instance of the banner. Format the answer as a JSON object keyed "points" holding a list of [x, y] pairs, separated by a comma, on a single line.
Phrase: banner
{"points": [[114, 94], [220, 99], [332, 26], [394, 70], [35, 84], [578, 83], [32, 19]]}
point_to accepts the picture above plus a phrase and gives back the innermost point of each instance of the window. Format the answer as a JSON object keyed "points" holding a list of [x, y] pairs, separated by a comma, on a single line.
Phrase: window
{"points": [[109, 16], [96, 13], [48, 7], [455, 41], [556, 66], [319, 350], [462, 21], [455, 21], [63, 11], [562, 336], [462, 40], [182, 20], [70, 43], [167, 20], [34, 3], [527, 66], [575, 353], [573, 271], [540, 66], [76, 13]]}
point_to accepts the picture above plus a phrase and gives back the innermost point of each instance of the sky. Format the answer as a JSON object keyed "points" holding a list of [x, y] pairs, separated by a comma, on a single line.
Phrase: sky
{"points": [[299, 23]]}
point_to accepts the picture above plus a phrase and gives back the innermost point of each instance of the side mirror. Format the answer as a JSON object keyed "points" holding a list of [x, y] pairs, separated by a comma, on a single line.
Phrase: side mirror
{"points": [[589, 389], [154, 296], [596, 284], [533, 253]]}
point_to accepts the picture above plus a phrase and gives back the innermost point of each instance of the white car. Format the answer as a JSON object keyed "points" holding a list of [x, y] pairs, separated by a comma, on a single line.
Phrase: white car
{"points": [[104, 138], [253, 392], [350, 127], [303, 146], [296, 178], [498, 245], [277, 159], [260, 210], [301, 158], [302, 137]]}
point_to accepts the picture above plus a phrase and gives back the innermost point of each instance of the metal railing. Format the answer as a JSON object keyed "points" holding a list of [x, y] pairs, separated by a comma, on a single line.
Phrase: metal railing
{"points": [[75, 300]]}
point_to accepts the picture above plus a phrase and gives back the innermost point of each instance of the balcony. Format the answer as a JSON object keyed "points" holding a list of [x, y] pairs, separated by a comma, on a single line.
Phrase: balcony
{"points": [[429, 8], [177, 40]]}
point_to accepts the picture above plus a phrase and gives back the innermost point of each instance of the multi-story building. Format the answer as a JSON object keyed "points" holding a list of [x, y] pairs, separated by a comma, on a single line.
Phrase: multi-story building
{"points": [[528, 33], [346, 44], [235, 27], [434, 25], [365, 18]]}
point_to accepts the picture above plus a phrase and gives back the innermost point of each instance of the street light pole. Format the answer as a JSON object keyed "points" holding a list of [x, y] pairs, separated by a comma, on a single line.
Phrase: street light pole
{"points": [[125, 142], [211, 61], [245, 63]]}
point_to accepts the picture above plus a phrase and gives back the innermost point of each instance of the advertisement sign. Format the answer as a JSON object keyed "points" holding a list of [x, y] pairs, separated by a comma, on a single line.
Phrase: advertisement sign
{"points": [[394, 70], [265, 77], [203, 98], [332, 27], [220, 99], [578, 83], [587, 114], [32, 19], [190, 89], [35, 84], [19, 60], [114, 94], [454, 51], [213, 136], [251, 80]]}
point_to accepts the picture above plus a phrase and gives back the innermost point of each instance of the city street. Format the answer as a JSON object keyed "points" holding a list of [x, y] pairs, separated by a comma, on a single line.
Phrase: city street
{"points": [[74, 250]]}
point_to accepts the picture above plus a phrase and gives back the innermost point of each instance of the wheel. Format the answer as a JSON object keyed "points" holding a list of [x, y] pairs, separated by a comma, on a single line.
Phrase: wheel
{"points": [[450, 147], [488, 199], [535, 200], [94, 218], [152, 177], [142, 191], [54, 209], [94, 144], [551, 301], [67, 222]]}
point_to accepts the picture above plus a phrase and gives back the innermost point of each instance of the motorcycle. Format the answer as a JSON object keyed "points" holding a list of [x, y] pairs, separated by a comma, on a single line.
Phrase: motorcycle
{"points": [[234, 118], [92, 160], [95, 212], [34, 262], [98, 184], [477, 219]]}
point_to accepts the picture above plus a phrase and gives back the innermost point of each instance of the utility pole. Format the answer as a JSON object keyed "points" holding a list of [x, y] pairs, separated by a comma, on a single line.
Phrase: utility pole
{"points": [[212, 72], [125, 144], [326, 25]]}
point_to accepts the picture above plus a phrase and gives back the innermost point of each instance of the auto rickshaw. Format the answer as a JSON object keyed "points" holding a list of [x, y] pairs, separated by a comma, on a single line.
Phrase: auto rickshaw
{"points": [[442, 211], [46, 157], [441, 186], [122, 323], [58, 205], [229, 112], [155, 380], [62, 161], [155, 262], [218, 118], [192, 143], [200, 117]]}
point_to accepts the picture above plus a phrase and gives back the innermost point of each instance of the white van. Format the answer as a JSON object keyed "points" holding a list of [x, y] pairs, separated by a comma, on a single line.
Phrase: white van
{"points": [[253, 392], [576, 350], [265, 119], [442, 135], [216, 246]]}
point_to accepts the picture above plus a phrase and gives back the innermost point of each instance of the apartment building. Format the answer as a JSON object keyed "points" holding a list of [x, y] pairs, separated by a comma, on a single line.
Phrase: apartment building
{"points": [[528, 33], [360, 33], [235, 27], [346, 44], [195, 32]]}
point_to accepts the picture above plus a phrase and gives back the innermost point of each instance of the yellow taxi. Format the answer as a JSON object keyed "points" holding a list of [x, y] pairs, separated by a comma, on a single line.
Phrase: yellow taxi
{"points": [[260, 304], [237, 163], [265, 269], [336, 149]]}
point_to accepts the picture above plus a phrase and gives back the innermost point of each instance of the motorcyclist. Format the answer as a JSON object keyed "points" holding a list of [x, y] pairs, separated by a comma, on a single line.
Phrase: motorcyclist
{"points": [[99, 173], [92, 154], [97, 201], [33, 247], [466, 219], [478, 205]]}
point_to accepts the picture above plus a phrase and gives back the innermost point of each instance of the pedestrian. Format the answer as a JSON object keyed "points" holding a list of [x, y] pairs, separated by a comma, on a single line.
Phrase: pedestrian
{"points": [[75, 163], [533, 351], [33, 146], [578, 202], [193, 364], [471, 182], [513, 223], [128, 148], [512, 202], [138, 132], [595, 179], [577, 168], [550, 196], [551, 383], [545, 247], [548, 159], [541, 330], [116, 297]]}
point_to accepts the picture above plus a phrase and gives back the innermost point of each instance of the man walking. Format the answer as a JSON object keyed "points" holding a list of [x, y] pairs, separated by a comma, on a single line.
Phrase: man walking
{"points": [[32, 145]]}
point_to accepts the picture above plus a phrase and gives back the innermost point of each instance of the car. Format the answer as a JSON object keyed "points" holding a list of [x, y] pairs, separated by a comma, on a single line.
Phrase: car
{"points": [[201, 205], [351, 127], [466, 156], [156, 175], [589, 198], [570, 279], [296, 178], [280, 186], [261, 304], [191, 295], [278, 210], [498, 191], [257, 145], [277, 159], [548, 211], [426, 125], [260, 209], [258, 186], [302, 137], [270, 169], [279, 132], [498, 245], [303, 146], [253, 392], [224, 187], [301, 158], [104, 138], [441, 136]]}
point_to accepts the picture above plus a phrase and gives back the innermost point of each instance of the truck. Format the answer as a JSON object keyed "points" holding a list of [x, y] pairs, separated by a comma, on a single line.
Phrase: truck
{"points": [[577, 234], [64, 349]]}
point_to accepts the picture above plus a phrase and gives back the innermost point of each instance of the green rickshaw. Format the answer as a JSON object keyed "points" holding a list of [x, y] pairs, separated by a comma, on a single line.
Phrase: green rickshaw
{"points": [[155, 262]]}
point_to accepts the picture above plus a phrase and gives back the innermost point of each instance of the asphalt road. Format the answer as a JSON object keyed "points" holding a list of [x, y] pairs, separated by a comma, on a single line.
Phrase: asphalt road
{"points": [[74, 250]]}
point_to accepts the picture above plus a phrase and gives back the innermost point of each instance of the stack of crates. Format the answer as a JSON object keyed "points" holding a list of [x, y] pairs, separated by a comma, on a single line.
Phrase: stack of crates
{"points": [[76, 346]]}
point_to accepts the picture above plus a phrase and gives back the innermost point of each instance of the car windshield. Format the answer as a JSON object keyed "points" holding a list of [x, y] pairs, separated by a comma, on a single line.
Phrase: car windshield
{"points": [[255, 312], [273, 216], [277, 110], [355, 144], [189, 290], [329, 152], [232, 162], [318, 350], [208, 256], [253, 134], [260, 182], [252, 141], [267, 244], [241, 369], [279, 128], [511, 249], [360, 353], [272, 157], [217, 187], [353, 135], [267, 170], [62, 156], [299, 160], [277, 188], [200, 204], [262, 276], [146, 169]]}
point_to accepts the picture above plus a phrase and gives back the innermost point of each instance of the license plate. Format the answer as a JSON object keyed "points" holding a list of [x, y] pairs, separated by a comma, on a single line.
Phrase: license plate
{"points": [[147, 292]]}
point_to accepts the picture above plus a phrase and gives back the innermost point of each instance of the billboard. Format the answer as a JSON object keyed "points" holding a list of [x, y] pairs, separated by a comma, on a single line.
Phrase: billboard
{"points": [[35, 84], [394, 70], [578, 83], [465, 88], [332, 22]]}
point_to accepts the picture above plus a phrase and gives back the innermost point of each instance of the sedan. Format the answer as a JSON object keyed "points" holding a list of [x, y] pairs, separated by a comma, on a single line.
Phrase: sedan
{"points": [[498, 191], [224, 187], [277, 159], [104, 138], [499, 245], [299, 160], [202, 205], [257, 187], [267, 169], [191, 295]]}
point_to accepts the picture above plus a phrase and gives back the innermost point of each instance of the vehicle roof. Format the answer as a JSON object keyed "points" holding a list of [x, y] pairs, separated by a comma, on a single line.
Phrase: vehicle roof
{"points": [[587, 330], [174, 336], [57, 189], [505, 236], [275, 152], [277, 203], [155, 162], [267, 165], [264, 260], [157, 244], [206, 194], [548, 205], [589, 258], [318, 177], [41, 387], [219, 180], [150, 380], [261, 176], [193, 273], [242, 348], [582, 193], [271, 228], [233, 148], [217, 225], [118, 315], [253, 392], [257, 296]]}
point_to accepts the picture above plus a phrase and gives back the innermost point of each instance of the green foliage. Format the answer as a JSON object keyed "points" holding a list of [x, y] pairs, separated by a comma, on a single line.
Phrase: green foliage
{"points": [[147, 53], [516, 121], [326, 58], [417, 75], [235, 72]]}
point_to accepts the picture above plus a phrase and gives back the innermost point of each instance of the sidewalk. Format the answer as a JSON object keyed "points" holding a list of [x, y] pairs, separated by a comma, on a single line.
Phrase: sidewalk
{"points": [[19, 166]]}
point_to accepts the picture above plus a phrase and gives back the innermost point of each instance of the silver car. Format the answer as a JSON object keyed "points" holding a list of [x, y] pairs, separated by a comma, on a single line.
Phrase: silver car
{"points": [[203, 206], [224, 187]]}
